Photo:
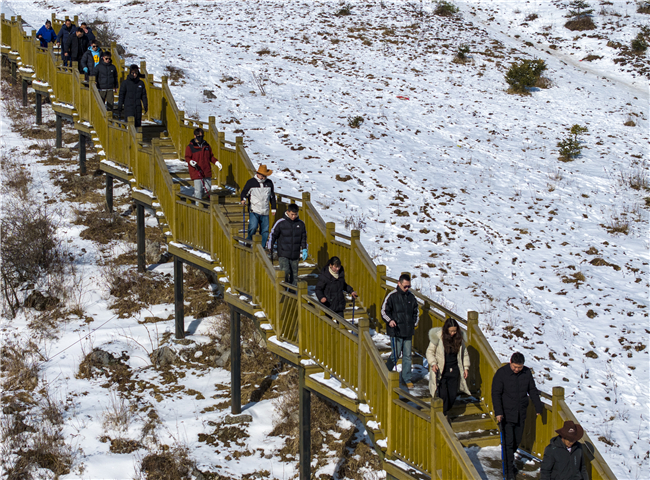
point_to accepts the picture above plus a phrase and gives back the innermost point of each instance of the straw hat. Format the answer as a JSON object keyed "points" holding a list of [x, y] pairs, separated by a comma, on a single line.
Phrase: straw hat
{"points": [[262, 170]]}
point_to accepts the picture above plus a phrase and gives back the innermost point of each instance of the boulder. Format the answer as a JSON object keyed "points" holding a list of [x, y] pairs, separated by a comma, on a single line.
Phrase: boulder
{"points": [[100, 357], [238, 419], [163, 356]]}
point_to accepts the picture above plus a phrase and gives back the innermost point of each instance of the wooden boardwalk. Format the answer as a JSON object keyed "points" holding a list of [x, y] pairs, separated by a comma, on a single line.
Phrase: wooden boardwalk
{"points": [[339, 359]]}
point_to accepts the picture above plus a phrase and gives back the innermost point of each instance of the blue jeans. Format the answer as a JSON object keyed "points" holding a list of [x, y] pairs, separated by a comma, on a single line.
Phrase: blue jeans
{"points": [[403, 346], [262, 221]]}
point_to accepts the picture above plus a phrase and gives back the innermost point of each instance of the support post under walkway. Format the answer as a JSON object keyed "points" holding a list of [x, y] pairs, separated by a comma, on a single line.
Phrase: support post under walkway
{"points": [[59, 131], [109, 193], [142, 264], [235, 361], [39, 108], [25, 84], [304, 428], [82, 153], [179, 307]]}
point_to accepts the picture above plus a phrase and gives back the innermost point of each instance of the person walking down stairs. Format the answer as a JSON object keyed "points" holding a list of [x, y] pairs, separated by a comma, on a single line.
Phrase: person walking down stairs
{"points": [[259, 192], [332, 287], [198, 155], [563, 457], [133, 96], [106, 78], [290, 234]]}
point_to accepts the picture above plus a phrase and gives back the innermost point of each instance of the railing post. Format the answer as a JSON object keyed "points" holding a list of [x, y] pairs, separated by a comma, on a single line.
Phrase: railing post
{"points": [[176, 190], [300, 292], [380, 294], [257, 242], [364, 326], [330, 229], [355, 238], [472, 326], [179, 306], [436, 407], [221, 138], [235, 361], [279, 277], [391, 428], [558, 394], [239, 144], [304, 414]]}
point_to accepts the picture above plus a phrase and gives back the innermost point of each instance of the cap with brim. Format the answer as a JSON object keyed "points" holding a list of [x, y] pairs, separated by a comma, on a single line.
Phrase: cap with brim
{"points": [[571, 431], [262, 170]]}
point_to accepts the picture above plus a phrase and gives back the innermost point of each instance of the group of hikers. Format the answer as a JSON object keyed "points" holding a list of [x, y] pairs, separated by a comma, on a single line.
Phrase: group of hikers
{"points": [[78, 44]]}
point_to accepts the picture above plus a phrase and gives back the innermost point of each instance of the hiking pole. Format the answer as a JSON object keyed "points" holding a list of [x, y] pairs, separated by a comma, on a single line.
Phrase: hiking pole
{"points": [[354, 299], [243, 216], [503, 460], [198, 169]]}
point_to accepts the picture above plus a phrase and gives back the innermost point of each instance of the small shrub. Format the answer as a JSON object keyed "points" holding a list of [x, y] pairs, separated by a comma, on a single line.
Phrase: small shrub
{"points": [[344, 11], [105, 32], [524, 75], [629, 122], [263, 51], [461, 54], [543, 82], [579, 9], [570, 147], [531, 17], [169, 463], [355, 122], [580, 24], [174, 74], [445, 8], [356, 222], [644, 7], [639, 44]]}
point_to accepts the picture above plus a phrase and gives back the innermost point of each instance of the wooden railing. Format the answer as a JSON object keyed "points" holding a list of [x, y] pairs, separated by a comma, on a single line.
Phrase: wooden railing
{"points": [[417, 434]]}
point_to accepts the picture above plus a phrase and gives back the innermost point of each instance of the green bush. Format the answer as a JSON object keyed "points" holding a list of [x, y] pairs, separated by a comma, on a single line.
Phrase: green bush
{"points": [[462, 52], [639, 44], [355, 122], [344, 11], [570, 147], [579, 8], [445, 8], [525, 74]]}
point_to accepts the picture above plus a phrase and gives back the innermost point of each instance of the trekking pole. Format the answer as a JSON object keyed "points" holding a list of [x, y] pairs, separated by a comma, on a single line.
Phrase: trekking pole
{"points": [[243, 215], [205, 189], [354, 299], [503, 460], [392, 347]]}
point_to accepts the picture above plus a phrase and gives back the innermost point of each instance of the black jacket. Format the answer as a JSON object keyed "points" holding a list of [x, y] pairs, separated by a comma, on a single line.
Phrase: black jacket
{"points": [[333, 289], [510, 392], [132, 92], [259, 195], [76, 46], [64, 33], [106, 76], [291, 237], [560, 464], [88, 60], [402, 307]]}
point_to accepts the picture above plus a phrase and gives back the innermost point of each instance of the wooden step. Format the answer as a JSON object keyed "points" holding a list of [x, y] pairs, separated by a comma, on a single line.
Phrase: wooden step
{"points": [[489, 438], [471, 423], [460, 408]]}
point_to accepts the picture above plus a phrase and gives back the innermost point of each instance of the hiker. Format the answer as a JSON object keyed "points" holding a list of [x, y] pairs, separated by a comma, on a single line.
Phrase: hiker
{"points": [[198, 155], [133, 96], [290, 234], [46, 34], [563, 458], [75, 46], [400, 312], [106, 78], [65, 32], [512, 385], [91, 59], [88, 32], [331, 287], [259, 192], [447, 357]]}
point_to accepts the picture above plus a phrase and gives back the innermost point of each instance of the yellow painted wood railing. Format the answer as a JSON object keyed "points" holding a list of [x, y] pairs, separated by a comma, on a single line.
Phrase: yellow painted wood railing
{"points": [[414, 432]]}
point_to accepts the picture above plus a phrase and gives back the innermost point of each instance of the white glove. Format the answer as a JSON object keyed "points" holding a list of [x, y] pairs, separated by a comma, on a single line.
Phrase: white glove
{"points": [[273, 212], [193, 163], [219, 166]]}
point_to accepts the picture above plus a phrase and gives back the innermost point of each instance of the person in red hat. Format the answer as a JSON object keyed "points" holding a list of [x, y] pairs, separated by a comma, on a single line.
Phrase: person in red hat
{"points": [[563, 458]]}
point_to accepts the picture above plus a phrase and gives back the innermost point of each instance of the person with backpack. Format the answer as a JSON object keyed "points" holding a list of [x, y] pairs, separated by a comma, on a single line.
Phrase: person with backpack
{"points": [[290, 234], [198, 155], [91, 59], [106, 78], [66, 31], [400, 312], [563, 457], [75, 46], [46, 34], [448, 363], [133, 96], [259, 193], [332, 287]]}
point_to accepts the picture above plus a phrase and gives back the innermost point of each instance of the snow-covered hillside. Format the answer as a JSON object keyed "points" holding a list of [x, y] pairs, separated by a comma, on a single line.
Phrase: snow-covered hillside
{"points": [[449, 176]]}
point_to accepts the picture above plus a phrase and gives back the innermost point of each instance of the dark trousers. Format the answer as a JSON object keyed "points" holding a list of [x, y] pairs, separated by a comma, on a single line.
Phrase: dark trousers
{"points": [[133, 111], [512, 433], [448, 388], [290, 269]]}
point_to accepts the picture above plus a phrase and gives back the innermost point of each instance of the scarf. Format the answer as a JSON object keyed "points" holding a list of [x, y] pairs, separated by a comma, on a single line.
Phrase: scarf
{"points": [[333, 273]]}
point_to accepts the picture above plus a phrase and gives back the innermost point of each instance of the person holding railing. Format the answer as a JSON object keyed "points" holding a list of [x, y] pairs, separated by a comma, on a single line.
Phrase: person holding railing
{"points": [[400, 312], [290, 234], [106, 78], [133, 96], [259, 192], [198, 155], [67, 30], [447, 357], [512, 386], [563, 457], [46, 34], [331, 287]]}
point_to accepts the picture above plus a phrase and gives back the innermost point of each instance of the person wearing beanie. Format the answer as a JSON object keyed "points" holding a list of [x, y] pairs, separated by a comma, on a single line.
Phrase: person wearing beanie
{"points": [[258, 191], [332, 287], [133, 96], [106, 78], [563, 457]]}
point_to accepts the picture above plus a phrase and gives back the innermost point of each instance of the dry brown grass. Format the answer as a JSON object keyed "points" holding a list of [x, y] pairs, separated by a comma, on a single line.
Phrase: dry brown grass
{"points": [[133, 290], [544, 83], [580, 24], [168, 464], [103, 226], [19, 366]]}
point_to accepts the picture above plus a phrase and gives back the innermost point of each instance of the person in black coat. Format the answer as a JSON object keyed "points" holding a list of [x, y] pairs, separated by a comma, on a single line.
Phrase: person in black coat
{"points": [[75, 46], [90, 59], [106, 78], [133, 96], [563, 457], [290, 234], [65, 32], [88, 32], [331, 287], [400, 312], [512, 386]]}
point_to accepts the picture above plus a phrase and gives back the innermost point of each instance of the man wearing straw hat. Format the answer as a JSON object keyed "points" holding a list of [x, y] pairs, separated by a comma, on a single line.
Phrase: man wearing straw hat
{"points": [[563, 458], [259, 192]]}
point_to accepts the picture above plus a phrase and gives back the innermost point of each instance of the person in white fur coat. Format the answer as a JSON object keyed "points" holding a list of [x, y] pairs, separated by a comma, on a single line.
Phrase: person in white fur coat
{"points": [[447, 356]]}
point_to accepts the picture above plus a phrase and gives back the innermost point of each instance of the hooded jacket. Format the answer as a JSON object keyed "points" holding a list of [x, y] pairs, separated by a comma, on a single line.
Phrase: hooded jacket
{"points": [[106, 75], [561, 464], [46, 35], [202, 155], [510, 392], [291, 237], [436, 356], [90, 59], [75, 46], [259, 195], [333, 289], [402, 307], [133, 94]]}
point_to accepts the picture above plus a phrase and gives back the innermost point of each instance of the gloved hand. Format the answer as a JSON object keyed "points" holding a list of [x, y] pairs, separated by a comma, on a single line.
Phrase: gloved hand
{"points": [[273, 212], [192, 163], [304, 254], [85, 69], [218, 165]]}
